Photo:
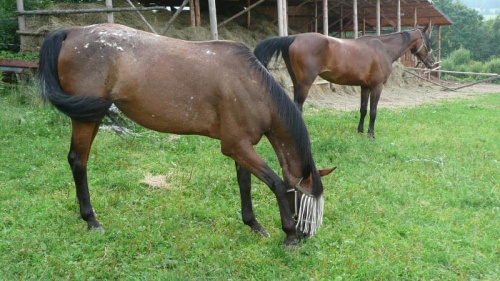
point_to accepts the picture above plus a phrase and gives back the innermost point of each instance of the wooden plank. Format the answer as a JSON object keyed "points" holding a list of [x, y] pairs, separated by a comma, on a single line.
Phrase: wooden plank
{"points": [[90, 10], [19, 63]]}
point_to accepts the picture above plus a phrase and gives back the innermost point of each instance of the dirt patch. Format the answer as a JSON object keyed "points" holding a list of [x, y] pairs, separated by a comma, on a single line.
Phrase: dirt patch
{"points": [[411, 95]]}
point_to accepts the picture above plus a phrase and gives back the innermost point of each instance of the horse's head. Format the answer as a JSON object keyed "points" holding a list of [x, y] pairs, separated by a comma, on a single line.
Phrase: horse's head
{"points": [[304, 201], [423, 47]]}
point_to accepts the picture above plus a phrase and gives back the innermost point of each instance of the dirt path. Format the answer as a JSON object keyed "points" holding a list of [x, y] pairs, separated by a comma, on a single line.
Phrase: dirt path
{"points": [[401, 96]]}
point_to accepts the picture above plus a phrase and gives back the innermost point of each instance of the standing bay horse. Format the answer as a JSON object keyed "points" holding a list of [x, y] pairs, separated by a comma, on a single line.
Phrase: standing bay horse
{"points": [[216, 89], [366, 62]]}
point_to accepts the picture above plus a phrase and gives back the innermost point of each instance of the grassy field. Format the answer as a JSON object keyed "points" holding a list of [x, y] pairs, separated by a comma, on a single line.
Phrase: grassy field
{"points": [[422, 201]]}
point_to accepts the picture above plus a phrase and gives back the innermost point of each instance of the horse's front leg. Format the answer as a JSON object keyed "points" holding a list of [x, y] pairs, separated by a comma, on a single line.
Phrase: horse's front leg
{"points": [[374, 98], [246, 157], [81, 140], [365, 94], [244, 181]]}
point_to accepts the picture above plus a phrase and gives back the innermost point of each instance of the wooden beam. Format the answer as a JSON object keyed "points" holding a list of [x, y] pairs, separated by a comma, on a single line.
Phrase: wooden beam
{"points": [[240, 13], [90, 10], [213, 20]]}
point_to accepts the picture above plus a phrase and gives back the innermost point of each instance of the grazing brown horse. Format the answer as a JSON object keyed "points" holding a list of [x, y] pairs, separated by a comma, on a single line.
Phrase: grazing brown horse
{"points": [[366, 62], [216, 89]]}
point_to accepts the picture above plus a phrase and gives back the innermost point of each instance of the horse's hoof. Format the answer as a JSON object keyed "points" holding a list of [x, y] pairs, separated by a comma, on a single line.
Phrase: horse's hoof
{"points": [[291, 243], [95, 226], [260, 230]]}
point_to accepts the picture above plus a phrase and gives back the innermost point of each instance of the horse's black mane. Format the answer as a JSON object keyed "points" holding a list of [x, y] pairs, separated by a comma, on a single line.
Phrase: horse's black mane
{"points": [[290, 117]]}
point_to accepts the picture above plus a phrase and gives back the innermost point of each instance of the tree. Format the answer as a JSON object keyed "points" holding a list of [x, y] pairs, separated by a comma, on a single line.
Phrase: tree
{"points": [[468, 30]]}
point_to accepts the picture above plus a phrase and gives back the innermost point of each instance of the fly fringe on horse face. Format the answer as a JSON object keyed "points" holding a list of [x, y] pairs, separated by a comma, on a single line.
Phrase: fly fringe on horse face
{"points": [[310, 217]]}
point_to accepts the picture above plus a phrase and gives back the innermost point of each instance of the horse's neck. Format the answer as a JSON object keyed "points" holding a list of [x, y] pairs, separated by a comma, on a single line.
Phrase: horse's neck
{"points": [[289, 150], [397, 44]]}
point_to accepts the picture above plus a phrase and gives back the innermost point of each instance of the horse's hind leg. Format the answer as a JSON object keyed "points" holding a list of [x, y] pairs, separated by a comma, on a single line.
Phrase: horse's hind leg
{"points": [[302, 79], [81, 141], [365, 94], [374, 98], [244, 181]]}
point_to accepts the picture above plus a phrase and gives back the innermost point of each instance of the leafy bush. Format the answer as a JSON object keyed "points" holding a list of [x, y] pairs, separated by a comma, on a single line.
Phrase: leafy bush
{"points": [[493, 66], [460, 57], [18, 56]]}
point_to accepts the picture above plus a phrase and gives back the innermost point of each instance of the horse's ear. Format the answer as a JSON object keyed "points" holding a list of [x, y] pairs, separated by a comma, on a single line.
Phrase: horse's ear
{"points": [[325, 172], [427, 27]]}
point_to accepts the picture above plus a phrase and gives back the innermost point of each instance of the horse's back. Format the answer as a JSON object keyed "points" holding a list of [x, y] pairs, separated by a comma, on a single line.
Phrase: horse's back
{"points": [[162, 83]]}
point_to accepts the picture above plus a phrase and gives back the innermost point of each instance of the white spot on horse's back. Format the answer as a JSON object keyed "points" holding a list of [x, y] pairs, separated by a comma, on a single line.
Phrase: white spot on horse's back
{"points": [[119, 48], [86, 46], [208, 52], [191, 97]]}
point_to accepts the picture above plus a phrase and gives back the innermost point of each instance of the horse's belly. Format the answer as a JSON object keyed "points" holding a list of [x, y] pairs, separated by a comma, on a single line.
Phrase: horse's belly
{"points": [[175, 118], [342, 78]]}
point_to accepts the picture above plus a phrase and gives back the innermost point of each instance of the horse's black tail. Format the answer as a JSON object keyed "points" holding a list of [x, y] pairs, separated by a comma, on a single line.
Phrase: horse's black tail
{"points": [[86, 109], [273, 45]]}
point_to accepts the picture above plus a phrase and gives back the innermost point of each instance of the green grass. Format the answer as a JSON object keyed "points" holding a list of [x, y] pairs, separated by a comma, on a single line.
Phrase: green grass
{"points": [[422, 201]]}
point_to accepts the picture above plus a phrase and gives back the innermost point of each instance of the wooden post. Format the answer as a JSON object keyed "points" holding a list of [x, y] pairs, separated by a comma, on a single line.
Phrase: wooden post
{"points": [[197, 11], [248, 14], [213, 20], [111, 17], [341, 20], [325, 17], [364, 22], [355, 18], [399, 16], [280, 18], [285, 18], [415, 19], [378, 17], [315, 16], [192, 12], [439, 48], [22, 23]]}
